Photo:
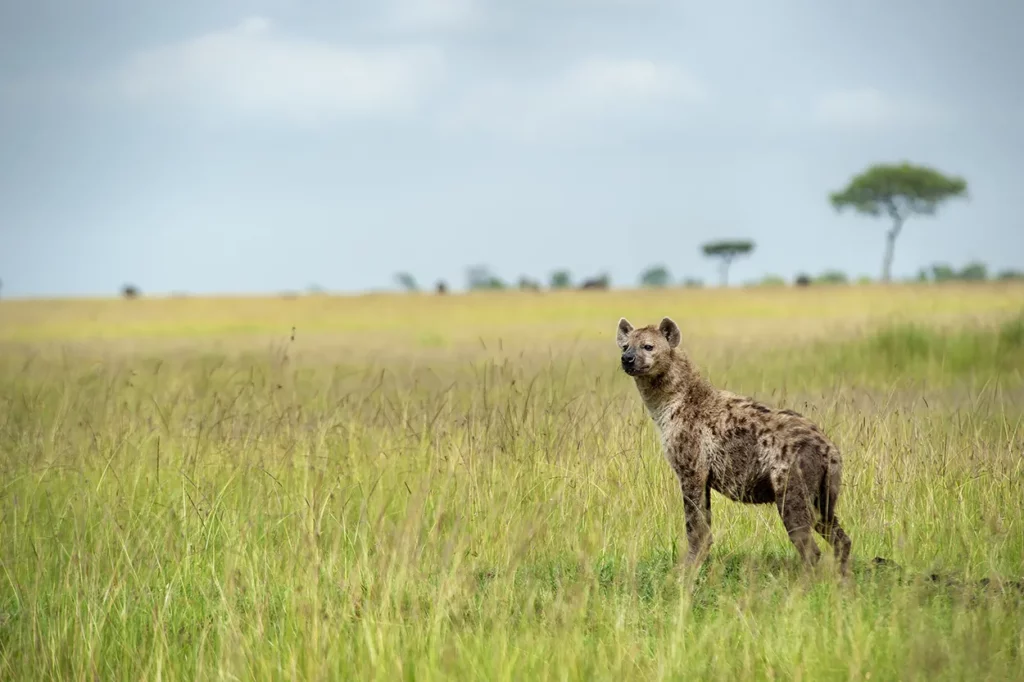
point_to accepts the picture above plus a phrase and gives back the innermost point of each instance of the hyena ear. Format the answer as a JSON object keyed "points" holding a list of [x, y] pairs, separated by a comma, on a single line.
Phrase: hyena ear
{"points": [[623, 331], [671, 331]]}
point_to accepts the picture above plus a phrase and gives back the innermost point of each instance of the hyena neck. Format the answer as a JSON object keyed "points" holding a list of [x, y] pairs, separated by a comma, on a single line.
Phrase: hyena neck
{"points": [[680, 385]]}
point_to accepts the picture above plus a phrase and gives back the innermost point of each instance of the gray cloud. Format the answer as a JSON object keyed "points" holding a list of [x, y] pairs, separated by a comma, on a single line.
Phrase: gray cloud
{"points": [[433, 15], [589, 89], [252, 69]]}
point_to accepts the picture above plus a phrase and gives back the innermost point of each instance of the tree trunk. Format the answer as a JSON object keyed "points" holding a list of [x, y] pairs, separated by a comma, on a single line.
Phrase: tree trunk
{"points": [[724, 270], [890, 246]]}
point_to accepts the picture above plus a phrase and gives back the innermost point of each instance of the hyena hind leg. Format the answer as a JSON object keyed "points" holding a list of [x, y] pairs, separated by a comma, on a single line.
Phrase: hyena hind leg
{"points": [[828, 525], [834, 535], [798, 518]]}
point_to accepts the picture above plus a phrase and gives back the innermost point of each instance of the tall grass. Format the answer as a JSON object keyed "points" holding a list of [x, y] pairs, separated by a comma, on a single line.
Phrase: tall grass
{"points": [[914, 349], [495, 514]]}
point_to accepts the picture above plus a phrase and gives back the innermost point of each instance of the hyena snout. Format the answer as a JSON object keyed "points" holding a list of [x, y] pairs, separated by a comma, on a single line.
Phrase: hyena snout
{"points": [[629, 359]]}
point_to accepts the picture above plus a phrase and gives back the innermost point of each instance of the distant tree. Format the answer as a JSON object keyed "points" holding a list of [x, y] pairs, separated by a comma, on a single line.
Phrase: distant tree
{"points": [[480, 277], [802, 280], [974, 272], [771, 281], [864, 279], [1008, 275], [314, 289], [898, 191], [130, 291], [560, 279], [441, 287], [527, 284], [406, 281], [655, 277], [727, 250], [832, 277], [941, 272]]}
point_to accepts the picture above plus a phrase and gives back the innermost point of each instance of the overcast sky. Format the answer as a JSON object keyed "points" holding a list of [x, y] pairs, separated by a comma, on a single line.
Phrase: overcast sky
{"points": [[224, 146]]}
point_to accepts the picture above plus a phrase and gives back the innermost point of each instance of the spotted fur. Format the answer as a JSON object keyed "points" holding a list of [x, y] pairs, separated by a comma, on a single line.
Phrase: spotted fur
{"points": [[745, 450]]}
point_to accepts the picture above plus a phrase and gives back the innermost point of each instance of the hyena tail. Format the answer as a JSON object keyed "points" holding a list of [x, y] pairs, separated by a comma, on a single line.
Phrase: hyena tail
{"points": [[829, 527], [828, 493]]}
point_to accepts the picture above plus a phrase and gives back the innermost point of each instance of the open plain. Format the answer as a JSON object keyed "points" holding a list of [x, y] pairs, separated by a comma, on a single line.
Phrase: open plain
{"points": [[467, 487]]}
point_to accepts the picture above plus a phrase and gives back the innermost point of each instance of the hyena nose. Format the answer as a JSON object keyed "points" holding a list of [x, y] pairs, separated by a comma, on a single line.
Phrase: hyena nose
{"points": [[628, 358]]}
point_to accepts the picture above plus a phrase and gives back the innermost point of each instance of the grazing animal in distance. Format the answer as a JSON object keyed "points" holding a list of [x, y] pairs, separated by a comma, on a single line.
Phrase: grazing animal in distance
{"points": [[749, 452]]}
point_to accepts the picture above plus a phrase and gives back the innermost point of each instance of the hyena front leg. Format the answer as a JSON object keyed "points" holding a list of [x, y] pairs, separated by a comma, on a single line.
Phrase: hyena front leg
{"points": [[697, 507]]}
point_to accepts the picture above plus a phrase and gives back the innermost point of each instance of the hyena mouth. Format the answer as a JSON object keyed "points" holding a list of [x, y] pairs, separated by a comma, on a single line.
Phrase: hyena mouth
{"points": [[632, 370]]}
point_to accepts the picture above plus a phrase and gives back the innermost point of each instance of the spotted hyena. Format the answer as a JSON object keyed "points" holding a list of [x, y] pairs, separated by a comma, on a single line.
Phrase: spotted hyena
{"points": [[748, 452]]}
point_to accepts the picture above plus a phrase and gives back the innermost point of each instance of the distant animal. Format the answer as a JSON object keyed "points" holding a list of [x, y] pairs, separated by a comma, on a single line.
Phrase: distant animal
{"points": [[442, 288], [595, 283], [747, 451]]}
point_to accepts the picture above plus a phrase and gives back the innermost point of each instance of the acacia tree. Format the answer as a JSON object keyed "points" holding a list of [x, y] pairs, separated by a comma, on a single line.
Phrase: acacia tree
{"points": [[480, 277], [655, 277], [561, 279], [727, 250], [406, 281], [898, 191]]}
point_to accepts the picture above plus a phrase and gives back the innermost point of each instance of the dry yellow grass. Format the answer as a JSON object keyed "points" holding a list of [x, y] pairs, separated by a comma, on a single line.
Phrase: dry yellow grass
{"points": [[427, 321]]}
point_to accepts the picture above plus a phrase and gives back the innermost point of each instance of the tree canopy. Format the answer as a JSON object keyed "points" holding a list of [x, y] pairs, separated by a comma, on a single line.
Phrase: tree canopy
{"points": [[480, 277], [975, 271], [898, 191], [832, 277], [406, 281], [655, 277], [561, 279], [729, 248]]}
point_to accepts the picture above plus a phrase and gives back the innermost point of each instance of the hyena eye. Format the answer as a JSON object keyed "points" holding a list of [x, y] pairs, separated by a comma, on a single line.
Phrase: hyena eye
{"points": [[648, 346]]}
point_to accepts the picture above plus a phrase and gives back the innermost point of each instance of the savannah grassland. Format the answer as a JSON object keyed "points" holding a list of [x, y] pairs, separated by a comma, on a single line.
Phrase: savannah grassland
{"points": [[467, 487]]}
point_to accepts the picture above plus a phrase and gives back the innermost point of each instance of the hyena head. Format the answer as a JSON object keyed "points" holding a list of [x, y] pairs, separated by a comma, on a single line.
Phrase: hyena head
{"points": [[647, 351]]}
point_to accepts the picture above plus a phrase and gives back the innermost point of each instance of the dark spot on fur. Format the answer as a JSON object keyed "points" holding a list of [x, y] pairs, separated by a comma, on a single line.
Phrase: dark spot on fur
{"points": [[761, 408], [801, 434], [801, 444], [791, 413]]}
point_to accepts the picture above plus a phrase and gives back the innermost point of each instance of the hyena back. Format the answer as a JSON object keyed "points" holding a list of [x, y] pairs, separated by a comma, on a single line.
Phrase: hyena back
{"points": [[747, 451]]}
